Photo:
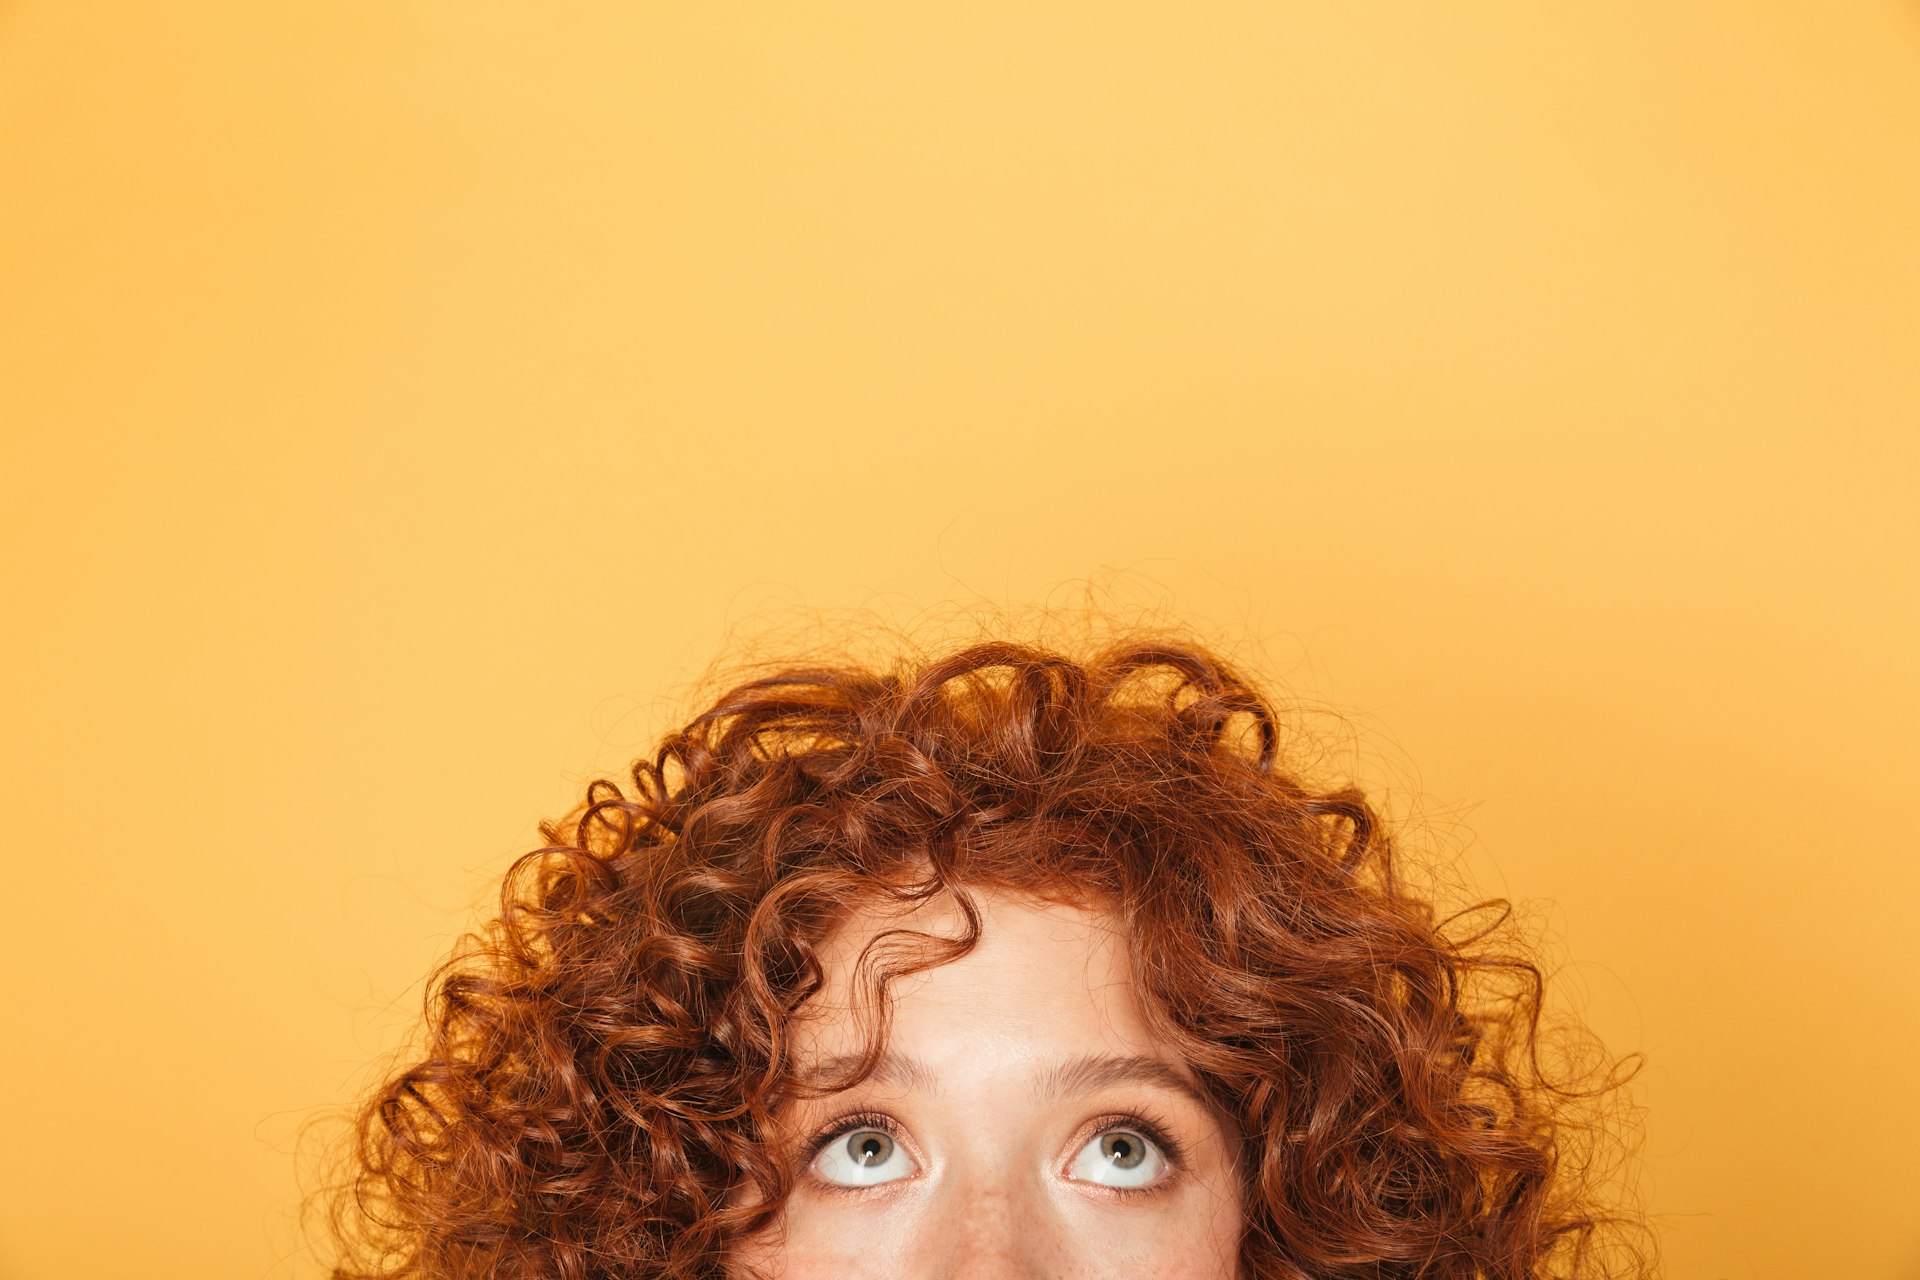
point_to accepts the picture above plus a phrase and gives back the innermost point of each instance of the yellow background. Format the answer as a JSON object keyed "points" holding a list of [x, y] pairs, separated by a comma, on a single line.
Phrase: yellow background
{"points": [[403, 401]]}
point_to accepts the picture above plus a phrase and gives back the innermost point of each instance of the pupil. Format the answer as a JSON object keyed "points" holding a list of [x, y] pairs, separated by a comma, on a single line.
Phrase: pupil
{"points": [[1123, 1150], [869, 1149]]}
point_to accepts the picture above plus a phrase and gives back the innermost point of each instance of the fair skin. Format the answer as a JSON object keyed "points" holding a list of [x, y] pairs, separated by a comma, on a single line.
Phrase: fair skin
{"points": [[1026, 1122]]}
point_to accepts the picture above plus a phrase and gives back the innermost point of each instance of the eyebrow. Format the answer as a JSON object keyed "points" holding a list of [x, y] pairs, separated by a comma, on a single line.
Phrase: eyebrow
{"points": [[1084, 1074]]}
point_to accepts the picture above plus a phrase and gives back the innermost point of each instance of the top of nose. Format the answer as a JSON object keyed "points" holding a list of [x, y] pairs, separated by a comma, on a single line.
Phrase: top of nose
{"points": [[995, 1225]]}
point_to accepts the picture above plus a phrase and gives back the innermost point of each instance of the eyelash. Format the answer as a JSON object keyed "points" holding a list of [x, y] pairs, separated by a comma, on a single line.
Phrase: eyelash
{"points": [[1154, 1130], [846, 1124]]}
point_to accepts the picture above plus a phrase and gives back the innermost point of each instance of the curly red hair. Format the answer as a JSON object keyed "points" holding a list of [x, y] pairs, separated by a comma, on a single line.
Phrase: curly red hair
{"points": [[602, 1068]]}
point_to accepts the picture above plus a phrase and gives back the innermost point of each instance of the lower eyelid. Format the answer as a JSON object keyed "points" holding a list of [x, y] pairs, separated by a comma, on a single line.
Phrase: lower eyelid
{"points": [[1171, 1169]]}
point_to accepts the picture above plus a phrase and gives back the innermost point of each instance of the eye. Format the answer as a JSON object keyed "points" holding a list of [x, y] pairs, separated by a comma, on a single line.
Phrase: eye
{"points": [[1120, 1158], [863, 1157]]}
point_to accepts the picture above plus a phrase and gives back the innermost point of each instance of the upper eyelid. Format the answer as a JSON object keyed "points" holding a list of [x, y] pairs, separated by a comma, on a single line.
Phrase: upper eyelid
{"points": [[841, 1126], [1160, 1135]]}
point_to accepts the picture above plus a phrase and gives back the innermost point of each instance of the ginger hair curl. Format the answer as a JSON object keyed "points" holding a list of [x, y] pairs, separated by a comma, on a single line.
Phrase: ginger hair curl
{"points": [[603, 1063]]}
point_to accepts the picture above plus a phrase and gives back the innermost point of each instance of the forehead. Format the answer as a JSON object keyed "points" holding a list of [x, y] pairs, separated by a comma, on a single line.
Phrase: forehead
{"points": [[1043, 975]]}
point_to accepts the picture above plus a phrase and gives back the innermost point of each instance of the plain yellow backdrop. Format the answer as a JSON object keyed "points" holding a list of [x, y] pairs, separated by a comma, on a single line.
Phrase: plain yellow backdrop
{"points": [[403, 401]]}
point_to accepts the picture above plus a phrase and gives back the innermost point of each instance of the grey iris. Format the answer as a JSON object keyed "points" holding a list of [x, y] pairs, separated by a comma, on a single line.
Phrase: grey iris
{"points": [[1123, 1150], [869, 1147]]}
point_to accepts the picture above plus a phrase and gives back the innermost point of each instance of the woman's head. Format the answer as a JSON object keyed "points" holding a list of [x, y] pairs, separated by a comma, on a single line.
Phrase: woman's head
{"points": [[1006, 961]]}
